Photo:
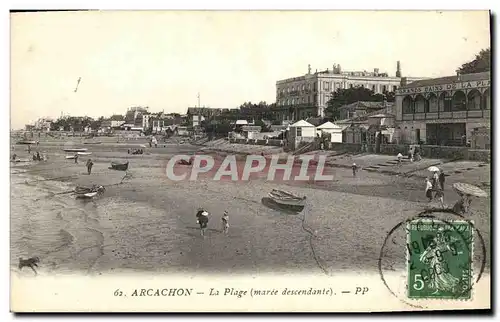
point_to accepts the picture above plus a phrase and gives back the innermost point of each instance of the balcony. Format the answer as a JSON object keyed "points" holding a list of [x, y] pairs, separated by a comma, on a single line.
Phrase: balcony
{"points": [[447, 115]]}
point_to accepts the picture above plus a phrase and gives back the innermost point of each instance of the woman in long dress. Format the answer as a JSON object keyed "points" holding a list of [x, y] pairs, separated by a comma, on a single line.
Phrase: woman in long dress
{"points": [[441, 279]]}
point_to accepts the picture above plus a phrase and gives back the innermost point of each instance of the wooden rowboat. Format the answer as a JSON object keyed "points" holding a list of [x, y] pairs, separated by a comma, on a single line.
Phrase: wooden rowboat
{"points": [[119, 166], [26, 142], [88, 195], [75, 150], [286, 198]]}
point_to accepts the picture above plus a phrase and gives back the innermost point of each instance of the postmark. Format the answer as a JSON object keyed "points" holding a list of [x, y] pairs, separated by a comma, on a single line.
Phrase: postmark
{"points": [[439, 259]]}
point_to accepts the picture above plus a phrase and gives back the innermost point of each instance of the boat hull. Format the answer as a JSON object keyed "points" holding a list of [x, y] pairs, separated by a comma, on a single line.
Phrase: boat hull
{"points": [[119, 166], [74, 150], [287, 199], [26, 142]]}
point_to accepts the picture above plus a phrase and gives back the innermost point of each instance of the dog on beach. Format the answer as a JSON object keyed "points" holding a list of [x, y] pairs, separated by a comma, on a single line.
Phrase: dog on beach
{"points": [[30, 262]]}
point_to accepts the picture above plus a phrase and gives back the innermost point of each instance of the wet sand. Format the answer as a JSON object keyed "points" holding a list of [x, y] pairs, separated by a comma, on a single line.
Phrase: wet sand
{"points": [[147, 223]]}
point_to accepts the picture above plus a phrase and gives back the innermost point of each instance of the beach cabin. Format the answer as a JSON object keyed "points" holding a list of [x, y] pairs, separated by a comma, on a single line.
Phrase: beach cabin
{"points": [[334, 130], [301, 132]]}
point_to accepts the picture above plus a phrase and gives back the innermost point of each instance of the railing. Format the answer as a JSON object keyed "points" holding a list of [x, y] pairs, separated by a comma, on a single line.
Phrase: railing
{"points": [[447, 115]]}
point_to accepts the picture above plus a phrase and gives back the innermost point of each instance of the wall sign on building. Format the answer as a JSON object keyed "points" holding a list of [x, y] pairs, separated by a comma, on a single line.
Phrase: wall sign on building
{"points": [[445, 87]]}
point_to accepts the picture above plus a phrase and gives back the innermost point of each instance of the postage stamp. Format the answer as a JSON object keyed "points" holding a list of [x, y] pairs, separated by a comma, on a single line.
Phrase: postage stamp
{"points": [[439, 259]]}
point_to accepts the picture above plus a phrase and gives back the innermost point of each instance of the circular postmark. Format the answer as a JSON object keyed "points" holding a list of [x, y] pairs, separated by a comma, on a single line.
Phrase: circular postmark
{"points": [[437, 254]]}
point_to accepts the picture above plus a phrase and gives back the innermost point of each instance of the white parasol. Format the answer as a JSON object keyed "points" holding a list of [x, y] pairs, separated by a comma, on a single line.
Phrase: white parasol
{"points": [[400, 155], [204, 214], [433, 169], [469, 189]]}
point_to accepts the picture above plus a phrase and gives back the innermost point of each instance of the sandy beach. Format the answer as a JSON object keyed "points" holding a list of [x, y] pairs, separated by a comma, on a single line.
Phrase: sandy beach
{"points": [[148, 222]]}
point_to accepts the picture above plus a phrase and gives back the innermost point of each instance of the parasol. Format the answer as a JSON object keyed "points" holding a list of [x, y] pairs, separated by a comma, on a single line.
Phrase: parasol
{"points": [[468, 189], [204, 213], [400, 155], [433, 169]]}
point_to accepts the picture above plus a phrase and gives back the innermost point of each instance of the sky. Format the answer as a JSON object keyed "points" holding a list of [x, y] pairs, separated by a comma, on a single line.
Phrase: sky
{"points": [[163, 59]]}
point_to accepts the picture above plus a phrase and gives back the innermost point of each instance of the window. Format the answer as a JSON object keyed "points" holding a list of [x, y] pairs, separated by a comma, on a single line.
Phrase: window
{"points": [[303, 87], [384, 89], [350, 86], [373, 88], [314, 87], [326, 86], [303, 99], [407, 105], [433, 104], [308, 99], [420, 103], [309, 86], [299, 131], [394, 88]]}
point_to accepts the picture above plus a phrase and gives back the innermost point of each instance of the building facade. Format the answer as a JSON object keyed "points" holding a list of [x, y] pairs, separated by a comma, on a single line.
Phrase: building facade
{"points": [[307, 95], [443, 111]]}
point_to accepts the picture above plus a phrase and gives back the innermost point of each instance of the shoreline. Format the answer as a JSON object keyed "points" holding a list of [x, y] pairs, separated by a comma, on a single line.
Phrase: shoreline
{"points": [[148, 222]]}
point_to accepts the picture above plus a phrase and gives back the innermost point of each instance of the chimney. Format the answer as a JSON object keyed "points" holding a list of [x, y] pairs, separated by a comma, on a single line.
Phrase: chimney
{"points": [[339, 69], [375, 71], [398, 70], [404, 81], [309, 69]]}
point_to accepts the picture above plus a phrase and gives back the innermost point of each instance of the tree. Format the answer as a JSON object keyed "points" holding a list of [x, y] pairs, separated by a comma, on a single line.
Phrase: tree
{"points": [[482, 63], [343, 97]]}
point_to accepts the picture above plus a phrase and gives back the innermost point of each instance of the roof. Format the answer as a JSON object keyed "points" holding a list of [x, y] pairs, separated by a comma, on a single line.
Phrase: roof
{"points": [[449, 80], [301, 123], [366, 105], [329, 125], [116, 117], [382, 115], [315, 120]]}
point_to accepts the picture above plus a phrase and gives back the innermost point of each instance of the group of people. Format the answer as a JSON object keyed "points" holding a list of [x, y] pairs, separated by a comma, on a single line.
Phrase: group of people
{"points": [[136, 151], [202, 217], [434, 187]]}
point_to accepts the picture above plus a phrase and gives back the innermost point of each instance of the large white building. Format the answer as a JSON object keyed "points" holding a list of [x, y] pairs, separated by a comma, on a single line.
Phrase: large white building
{"points": [[307, 95]]}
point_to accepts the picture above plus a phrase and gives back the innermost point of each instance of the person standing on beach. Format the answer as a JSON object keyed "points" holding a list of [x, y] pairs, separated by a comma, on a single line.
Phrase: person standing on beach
{"points": [[89, 166], [428, 189], [441, 179], [400, 157], [29, 149], [225, 222], [440, 196], [76, 158], [354, 169], [202, 217]]}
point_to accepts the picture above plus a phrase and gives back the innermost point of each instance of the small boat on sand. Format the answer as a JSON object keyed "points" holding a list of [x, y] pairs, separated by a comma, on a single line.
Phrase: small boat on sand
{"points": [[286, 198], [68, 157], [119, 166], [89, 195], [85, 190], [84, 153], [92, 142], [75, 150], [26, 142]]}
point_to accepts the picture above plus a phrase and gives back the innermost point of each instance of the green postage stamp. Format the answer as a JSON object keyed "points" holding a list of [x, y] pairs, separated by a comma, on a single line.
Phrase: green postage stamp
{"points": [[439, 259]]}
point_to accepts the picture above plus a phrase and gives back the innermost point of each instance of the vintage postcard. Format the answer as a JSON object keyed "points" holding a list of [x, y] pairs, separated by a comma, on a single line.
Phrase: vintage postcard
{"points": [[250, 161]]}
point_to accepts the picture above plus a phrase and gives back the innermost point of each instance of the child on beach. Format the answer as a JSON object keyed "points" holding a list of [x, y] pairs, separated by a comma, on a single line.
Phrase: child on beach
{"points": [[440, 196], [225, 222]]}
